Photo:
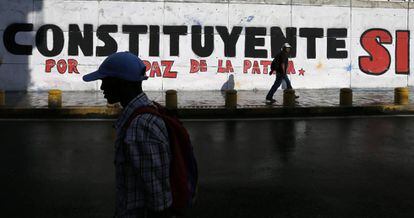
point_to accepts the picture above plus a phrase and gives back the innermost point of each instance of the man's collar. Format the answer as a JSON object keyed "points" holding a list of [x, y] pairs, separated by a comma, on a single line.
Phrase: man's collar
{"points": [[140, 100]]}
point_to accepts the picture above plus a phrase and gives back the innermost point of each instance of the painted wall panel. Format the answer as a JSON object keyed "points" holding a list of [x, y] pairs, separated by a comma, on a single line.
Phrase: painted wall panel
{"points": [[387, 22], [218, 43], [321, 71], [131, 13], [245, 81], [21, 38], [15, 76], [44, 81], [257, 15], [202, 81], [63, 13], [321, 16], [203, 14], [17, 11], [411, 57]]}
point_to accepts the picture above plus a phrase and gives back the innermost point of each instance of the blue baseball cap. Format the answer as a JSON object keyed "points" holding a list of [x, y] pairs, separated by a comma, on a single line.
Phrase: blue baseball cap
{"points": [[122, 65]]}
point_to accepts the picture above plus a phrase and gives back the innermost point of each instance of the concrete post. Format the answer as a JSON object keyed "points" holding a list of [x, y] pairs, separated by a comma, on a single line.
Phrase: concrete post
{"points": [[289, 97], [171, 99], [345, 97], [55, 98], [401, 95], [2, 98], [231, 99]]}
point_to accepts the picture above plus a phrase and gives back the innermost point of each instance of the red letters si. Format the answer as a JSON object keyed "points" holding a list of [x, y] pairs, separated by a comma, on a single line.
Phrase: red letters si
{"points": [[402, 52], [379, 59]]}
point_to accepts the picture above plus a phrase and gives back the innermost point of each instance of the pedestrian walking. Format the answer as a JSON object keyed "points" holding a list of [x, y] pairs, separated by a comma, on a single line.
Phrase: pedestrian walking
{"points": [[143, 152], [279, 67]]}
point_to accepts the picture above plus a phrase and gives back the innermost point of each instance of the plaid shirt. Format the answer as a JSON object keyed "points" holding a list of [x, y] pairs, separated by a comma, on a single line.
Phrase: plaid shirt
{"points": [[142, 162]]}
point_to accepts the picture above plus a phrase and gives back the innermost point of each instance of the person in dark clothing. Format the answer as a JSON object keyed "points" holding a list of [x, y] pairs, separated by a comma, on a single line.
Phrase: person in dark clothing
{"points": [[142, 149], [279, 66]]}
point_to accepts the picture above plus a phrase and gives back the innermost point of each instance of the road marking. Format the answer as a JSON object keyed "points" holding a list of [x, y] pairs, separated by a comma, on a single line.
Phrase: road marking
{"points": [[215, 120], [300, 118]]}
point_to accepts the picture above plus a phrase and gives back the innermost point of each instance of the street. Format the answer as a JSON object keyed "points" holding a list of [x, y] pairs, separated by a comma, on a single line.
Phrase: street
{"points": [[330, 167]]}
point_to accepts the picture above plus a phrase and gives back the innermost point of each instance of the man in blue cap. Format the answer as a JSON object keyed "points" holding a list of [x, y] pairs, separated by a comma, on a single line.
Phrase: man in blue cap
{"points": [[142, 151]]}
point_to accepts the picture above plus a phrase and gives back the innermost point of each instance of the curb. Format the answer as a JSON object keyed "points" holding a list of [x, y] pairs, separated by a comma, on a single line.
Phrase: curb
{"points": [[209, 113]]}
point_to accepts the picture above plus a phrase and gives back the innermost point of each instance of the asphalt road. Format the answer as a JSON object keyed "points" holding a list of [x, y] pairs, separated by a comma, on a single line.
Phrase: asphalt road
{"points": [[354, 167]]}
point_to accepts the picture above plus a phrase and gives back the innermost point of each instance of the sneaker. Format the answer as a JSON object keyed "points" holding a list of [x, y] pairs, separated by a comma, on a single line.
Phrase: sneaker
{"points": [[270, 101]]}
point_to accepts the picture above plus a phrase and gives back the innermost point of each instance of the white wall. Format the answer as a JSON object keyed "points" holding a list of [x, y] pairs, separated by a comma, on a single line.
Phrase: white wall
{"points": [[27, 72]]}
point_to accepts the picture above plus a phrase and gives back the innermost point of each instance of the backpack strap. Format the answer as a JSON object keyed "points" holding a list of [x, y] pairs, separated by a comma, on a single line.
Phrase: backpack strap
{"points": [[139, 111], [156, 109]]}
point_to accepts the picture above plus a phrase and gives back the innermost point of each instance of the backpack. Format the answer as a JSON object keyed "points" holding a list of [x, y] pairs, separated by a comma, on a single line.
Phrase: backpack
{"points": [[276, 63], [183, 167]]}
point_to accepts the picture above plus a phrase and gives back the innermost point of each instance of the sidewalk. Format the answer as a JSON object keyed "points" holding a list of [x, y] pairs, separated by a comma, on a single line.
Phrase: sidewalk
{"points": [[194, 99], [210, 104]]}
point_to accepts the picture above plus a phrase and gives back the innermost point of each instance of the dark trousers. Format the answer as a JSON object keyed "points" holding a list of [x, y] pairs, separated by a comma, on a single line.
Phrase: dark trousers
{"points": [[279, 78]]}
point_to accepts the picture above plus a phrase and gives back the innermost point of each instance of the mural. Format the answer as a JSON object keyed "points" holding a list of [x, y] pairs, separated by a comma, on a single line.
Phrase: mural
{"points": [[199, 46]]}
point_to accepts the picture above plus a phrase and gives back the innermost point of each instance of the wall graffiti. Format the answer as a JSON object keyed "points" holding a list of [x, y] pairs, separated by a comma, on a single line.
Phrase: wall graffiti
{"points": [[372, 41], [62, 66], [185, 49], [379, 59], [254, 37]]}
